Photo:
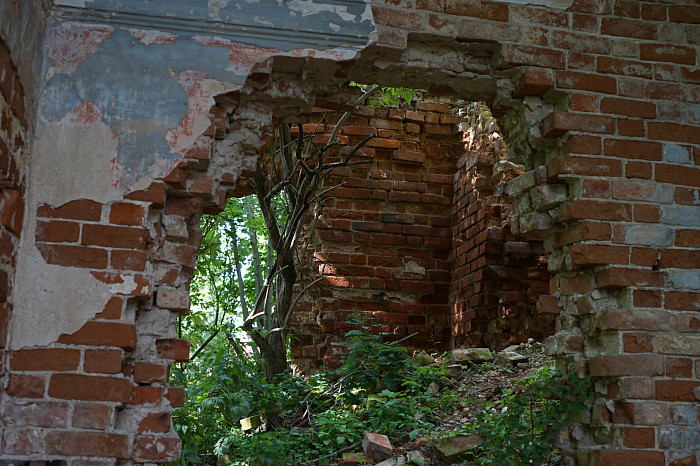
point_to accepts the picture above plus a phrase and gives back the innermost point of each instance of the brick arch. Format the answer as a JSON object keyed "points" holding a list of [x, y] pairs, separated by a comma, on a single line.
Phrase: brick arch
{"points": [[598, 103]]}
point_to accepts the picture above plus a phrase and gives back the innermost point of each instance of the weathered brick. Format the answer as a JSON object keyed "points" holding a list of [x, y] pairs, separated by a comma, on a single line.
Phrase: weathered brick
{"points": [[97, 333], [86, 387], [87, 444], [45, 359]]}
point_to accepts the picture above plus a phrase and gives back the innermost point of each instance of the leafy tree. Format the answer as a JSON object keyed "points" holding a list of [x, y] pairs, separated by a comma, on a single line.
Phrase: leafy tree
{"points": [[289, 186]]}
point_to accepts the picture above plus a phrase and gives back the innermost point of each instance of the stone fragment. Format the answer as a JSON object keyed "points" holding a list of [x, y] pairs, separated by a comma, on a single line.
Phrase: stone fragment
{"points": [[377, 446], [174, 299], [355, 459], [433, 388], [412, 457], [466, 355], [457, 449], [423, 359], [456, 371], [506, 357], [252, 422]]}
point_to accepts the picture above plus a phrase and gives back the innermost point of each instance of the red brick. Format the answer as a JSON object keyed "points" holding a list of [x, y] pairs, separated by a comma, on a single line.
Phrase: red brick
{"points": [[647, 298], [620, 277], [684, 14], [156, 423], [558, 123], [128, 260], [87, 444], [584, 144], [92, 416], [183, 206], [26, 386], [633, 190], [155, 194], [625, 67], [141, 395], [178, 254], [534, 82], [638, 170], [682, 301], [73, 256], [598, 210], [687, 238], [647, 213], [126, 213], [679, 368], [677, 390], [628, 28], [664, 91], [75, 210], [11, 210], [586, 82], [626, 364], [103, 361], [584, 231], [22, 442], [36, 413], [161, 449], [57, 231], [114, 237], [591, 188], [478, 9], [408, 157], [654, 12], [126, 284], [628, 127], [667, 53], [636, 343], [533, 56], [178, 350], [97, 333], [678, 174], [640, 437], [583, 255], [146, 372], [86, 387], [176, 396], [45, 359], [628, 107], [576, 165]]}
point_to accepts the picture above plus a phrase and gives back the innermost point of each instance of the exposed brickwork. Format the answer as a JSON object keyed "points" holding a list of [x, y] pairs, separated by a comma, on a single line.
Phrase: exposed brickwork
{"points": [[384, 242], [599, 103]]}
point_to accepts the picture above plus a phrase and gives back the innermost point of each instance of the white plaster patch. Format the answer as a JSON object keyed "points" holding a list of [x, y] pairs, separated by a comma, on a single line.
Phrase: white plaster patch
{"points": [[215, 7], [308, 7], [334, 27], [50, 300], [263, 21], [152, 36], [89, 145]]}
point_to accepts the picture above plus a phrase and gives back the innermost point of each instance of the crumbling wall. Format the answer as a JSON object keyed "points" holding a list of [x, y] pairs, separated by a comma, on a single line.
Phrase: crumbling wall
{"points": [[383, 244], [599, 103], [498, 276]]}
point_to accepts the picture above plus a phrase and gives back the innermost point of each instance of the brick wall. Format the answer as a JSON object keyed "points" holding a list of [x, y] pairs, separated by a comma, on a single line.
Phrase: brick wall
{"points": [[418, 241], [385, 238], [499, 278], [13, 131], [599, 103]]}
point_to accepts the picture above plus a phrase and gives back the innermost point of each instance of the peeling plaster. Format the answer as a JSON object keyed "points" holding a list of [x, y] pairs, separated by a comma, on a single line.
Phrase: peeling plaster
{"points": [[92, 148], [308, 7], [151, 36], [200, 98], [71, 43]]}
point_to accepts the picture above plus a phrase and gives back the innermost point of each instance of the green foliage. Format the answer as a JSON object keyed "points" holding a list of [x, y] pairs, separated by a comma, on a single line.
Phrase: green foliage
{"points": [[521, 427], [387, 96]]}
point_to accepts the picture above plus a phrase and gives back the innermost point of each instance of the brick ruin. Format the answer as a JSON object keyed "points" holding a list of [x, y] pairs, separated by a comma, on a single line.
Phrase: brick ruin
{"points": [[122, 122], [419, 241]]}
